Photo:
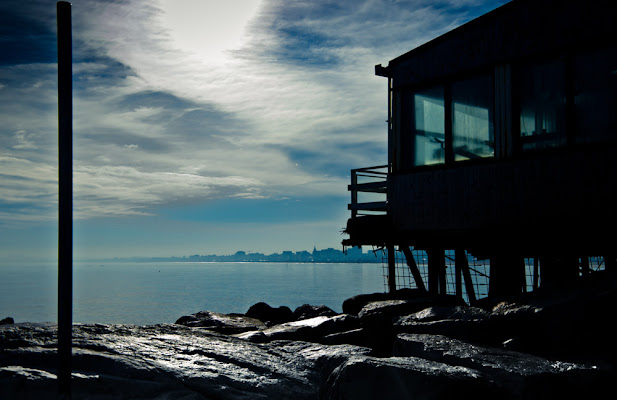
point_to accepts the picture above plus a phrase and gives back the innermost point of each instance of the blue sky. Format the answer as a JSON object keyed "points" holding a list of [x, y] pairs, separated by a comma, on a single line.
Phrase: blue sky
{"points": [[200, 126]]}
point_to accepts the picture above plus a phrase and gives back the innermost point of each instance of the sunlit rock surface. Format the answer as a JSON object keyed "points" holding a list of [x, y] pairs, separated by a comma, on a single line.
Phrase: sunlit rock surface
{"points": [[162, 361], [222, 323]]}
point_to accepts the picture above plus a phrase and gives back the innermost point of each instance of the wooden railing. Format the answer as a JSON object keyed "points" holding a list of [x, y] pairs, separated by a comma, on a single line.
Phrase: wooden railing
{"points": [[374, 180]]}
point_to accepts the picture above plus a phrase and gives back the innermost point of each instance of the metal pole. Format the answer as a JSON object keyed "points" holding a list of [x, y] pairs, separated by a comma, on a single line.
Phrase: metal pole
{"points": [[65, 201]]}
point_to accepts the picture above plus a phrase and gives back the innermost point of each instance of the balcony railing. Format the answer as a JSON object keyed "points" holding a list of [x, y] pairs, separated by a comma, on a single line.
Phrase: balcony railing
{"points": [[373, 180]]}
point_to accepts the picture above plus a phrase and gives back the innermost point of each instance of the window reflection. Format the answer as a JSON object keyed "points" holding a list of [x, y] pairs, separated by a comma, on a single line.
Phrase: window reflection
{"points": [[472, 131], [542, 105], [596, 96], [429, 129]]}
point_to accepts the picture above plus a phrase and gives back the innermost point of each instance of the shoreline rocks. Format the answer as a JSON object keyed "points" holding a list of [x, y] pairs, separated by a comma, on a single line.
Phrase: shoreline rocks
{"points": [[549, 344]]}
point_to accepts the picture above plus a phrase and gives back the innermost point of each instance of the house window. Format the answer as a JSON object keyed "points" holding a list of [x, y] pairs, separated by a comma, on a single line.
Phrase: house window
{"points": [[429, 127], [472, 118], [542, 106], [595, 96]]}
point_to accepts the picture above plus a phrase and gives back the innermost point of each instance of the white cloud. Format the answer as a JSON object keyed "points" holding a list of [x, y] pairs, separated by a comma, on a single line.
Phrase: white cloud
{"points": [[280, 100]]}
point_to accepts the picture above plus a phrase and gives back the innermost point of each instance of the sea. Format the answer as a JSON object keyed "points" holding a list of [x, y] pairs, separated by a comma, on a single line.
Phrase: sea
{"points": [[146, 293]]}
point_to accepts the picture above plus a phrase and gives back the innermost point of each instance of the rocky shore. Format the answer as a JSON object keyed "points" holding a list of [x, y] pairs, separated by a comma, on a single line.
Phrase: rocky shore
{"points": [[557, 342]]}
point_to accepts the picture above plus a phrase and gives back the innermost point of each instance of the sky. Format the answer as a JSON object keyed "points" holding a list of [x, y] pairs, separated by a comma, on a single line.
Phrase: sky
{"points": [[200, 126]]}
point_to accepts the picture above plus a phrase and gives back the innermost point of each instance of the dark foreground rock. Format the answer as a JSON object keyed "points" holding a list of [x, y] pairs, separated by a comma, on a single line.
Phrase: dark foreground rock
{"points": [[162, 361], [7, 321], [552, 344], [178, 362]]}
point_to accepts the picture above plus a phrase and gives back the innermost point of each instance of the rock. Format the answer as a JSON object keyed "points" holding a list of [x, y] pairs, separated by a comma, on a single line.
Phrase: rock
{"points": [[517, 374], [307, 311], [355, 304], [270, 315], [365, 377], [175, 361], [7, 321], [253, 336], [222, 323], [157, 362], [465, 323], [356, 337], [397, 308], [437, 313], [313, 329]]}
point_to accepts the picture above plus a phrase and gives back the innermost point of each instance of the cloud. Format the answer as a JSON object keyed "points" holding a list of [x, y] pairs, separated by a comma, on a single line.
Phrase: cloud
{"points": [[284, 109]]}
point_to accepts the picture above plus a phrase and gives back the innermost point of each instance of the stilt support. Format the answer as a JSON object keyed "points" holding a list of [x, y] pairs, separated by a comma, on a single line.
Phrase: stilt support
{"points": [[391, 268], [436, 271], [462, 266], [413, 268]]}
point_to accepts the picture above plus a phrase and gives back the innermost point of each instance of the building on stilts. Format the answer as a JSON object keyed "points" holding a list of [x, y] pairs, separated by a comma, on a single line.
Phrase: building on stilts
{"points": [[502, 153]]}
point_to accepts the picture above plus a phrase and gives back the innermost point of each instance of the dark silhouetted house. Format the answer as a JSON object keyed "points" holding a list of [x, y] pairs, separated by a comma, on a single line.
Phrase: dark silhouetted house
{"points": [[502, 138]]}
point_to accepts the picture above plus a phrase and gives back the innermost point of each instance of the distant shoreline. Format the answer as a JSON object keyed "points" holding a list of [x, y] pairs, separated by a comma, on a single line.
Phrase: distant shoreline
{"points": [[145, 260], [330, 255]]}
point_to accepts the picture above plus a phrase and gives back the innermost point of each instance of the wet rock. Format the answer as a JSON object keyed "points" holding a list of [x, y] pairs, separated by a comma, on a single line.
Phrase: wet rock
{"points": [[222, 323], [355, 304], [378, 318], [437, 313], [313, 329], [356, 337], [7, 321], [307, 311], [270, 315], [396, 308], [517, 374], [465, 323], [365, 377], [162, 362]]}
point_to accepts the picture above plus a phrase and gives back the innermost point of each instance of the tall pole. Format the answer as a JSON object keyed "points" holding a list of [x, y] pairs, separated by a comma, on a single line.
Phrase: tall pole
{"points": [[65, 201]]}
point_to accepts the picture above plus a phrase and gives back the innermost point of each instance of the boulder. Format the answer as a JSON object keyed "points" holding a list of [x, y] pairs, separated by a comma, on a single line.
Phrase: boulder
{"points": [[313, 329], [519, 375], [176, 361], [355, 304], [465, 323], [7, 321], [356, 337], [307, 311], [365, 377], [270, 315], [385, 309], [222, 323], [155, 362]]}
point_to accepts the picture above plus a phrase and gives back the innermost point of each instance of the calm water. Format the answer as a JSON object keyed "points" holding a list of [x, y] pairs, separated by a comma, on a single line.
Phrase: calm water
{"points": [[151, 293]]}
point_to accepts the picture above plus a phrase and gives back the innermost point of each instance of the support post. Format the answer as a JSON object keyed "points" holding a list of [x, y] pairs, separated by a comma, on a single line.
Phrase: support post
{"points": [[610, 263], [391, 268], [413, 267], [585, 270], [458, 271], [436, 271], [507, 275], [65, 201], [460, 259]]}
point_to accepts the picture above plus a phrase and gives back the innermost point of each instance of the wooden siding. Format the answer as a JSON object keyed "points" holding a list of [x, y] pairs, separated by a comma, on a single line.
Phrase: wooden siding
{"points": [[567, 197]]}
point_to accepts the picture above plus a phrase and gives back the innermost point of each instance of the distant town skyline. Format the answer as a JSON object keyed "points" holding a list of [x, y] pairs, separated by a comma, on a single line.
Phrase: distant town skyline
{"points": [[329, 255]]}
